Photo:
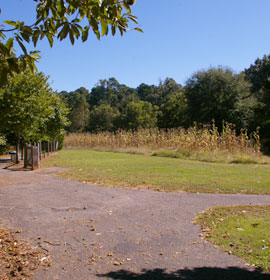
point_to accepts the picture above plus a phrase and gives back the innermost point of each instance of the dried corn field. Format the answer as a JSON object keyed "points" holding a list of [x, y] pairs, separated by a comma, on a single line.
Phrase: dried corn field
{"points": [[204, 139]]}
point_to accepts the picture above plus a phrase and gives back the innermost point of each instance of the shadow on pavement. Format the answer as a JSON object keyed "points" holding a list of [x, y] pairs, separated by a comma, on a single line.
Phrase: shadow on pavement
{"points": [[202, 273], [16, 167], [5, 160]]}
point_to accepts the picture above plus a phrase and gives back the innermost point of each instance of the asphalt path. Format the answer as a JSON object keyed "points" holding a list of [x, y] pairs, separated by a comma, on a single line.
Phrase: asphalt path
{"points": [[95, 232]]}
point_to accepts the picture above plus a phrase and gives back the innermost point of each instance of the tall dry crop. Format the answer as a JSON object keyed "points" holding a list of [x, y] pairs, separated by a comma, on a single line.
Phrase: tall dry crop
{"points": [[206, 139]]}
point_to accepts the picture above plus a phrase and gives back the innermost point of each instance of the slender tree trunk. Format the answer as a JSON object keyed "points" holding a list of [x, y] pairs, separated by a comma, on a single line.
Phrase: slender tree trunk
{"points": [[22, 150], [17, 149]]}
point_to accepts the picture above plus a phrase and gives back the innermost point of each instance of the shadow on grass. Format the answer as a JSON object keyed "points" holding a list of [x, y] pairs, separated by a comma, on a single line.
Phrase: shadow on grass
{"points": [[201, 273]]}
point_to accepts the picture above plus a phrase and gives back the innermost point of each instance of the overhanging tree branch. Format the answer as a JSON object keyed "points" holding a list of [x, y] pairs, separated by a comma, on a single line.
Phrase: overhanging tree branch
{"points": [[59, 19]]}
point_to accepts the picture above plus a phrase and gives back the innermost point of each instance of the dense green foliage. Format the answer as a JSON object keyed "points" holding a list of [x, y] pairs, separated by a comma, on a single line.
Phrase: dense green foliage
{"points": [[3, 144], [172, 112], [103, 118], [60, 19], [259, 76], [30, 110], [79, 113], [216, 94]]}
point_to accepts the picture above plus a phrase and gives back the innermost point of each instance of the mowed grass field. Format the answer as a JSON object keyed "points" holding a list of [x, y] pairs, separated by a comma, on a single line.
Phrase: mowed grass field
{"points": [[161, 173]]}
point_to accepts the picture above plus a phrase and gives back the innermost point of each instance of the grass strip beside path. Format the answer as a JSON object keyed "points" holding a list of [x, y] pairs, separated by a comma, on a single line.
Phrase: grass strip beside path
{"points": [[240, 230], [159, 173]]}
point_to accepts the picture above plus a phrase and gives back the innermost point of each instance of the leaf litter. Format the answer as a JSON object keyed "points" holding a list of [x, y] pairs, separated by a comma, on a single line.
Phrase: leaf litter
{"points": [[18, 259]]}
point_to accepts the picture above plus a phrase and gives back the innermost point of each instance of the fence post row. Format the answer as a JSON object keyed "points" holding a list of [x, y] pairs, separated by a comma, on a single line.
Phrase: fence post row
{"points": [[33, 153]]}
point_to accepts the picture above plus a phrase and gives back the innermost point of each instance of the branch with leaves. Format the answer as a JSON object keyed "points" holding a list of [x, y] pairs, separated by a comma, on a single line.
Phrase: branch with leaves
{"points": [[61, 19]]}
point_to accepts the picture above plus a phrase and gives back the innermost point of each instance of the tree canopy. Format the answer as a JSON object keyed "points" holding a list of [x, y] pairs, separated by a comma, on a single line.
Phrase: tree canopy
{"points": [[137, 115], [259, 76], [59, 19], [216, 93], [103, 118], [173, 113], [79, 109], [30, 109]]}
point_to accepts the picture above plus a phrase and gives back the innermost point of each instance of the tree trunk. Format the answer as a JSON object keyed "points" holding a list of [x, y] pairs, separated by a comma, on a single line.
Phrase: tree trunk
{"points": [[22, 150], [17, 149]]}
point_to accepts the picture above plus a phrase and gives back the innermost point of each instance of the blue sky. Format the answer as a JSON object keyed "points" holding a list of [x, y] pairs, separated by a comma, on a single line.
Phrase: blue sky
{"points": [[180, 37]]}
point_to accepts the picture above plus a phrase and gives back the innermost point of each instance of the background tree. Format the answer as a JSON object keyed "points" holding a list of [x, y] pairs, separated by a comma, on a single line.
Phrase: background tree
{"points": [[138, 115], [259, 76], [111, 92], [60, 19], [157, 95], [103, 118], [79, 109], [219, 94], [148, 93], [172, 113], [165, 89], [30, 108]]}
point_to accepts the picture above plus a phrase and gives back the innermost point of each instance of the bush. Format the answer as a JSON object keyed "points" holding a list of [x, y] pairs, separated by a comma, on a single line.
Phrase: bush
{"points": [[3, 144]]}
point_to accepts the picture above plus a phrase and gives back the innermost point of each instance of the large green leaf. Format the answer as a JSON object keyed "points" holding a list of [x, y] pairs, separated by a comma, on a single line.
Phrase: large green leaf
{"points": [[9, 45], [104, 28]]}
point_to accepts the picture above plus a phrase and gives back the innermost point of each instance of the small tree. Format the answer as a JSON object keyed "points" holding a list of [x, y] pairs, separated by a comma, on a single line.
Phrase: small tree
{"points": [[30, 109]]}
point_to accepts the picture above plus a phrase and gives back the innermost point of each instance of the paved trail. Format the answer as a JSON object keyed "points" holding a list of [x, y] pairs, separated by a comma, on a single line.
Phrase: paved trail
{"points": [[105, 233]]}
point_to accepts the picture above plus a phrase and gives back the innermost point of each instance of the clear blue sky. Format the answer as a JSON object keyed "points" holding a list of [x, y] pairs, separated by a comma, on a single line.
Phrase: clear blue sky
{"points": [[180, 37]]}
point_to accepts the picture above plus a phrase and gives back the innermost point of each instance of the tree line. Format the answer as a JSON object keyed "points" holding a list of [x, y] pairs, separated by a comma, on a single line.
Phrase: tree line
{"points": [[216, 94], [32, 111]]}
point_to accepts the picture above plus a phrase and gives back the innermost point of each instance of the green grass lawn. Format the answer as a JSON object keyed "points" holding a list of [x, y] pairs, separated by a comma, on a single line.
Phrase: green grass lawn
{"points": [[240, 230], [161, 173]]}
